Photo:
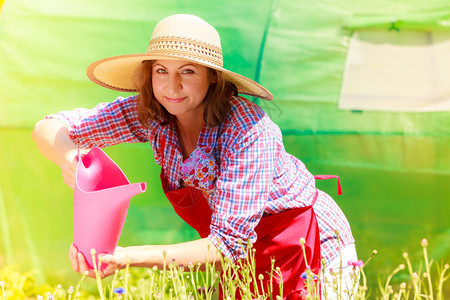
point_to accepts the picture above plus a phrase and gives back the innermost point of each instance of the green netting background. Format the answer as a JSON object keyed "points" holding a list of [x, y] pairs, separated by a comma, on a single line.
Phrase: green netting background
{"points": [[395, 167]]}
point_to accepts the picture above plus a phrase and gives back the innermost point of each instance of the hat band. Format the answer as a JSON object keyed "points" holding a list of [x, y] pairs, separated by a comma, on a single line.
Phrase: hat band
{"points": [[187, 48]]}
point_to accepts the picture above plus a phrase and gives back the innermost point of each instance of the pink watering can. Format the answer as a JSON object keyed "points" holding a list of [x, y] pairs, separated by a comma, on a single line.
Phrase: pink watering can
{"points": [[101, 199]]}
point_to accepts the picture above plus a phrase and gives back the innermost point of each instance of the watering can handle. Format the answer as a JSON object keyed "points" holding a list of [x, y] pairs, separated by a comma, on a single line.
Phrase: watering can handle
{"points": [[80, 154]]}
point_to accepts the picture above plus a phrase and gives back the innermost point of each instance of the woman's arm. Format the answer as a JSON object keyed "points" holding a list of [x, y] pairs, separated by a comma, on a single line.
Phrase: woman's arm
{"points": [[202, 250], [53, 142], [58, 136]]}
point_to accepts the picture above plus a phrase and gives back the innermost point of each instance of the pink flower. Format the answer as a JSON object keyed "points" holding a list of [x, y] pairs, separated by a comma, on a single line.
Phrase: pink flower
{"points": [[356, 263]]}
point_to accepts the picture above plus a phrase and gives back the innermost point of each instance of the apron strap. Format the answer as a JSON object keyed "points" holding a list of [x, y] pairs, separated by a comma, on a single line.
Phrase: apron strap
{"points": [[323, 177]]}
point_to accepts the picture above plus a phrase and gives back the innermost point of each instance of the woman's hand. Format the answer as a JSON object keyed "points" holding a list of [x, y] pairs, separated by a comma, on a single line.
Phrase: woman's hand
{"points": [[68, 165], [53, 141], [114, 262]]}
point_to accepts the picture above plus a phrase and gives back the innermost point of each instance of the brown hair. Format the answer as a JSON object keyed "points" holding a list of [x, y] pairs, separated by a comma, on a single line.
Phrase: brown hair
{"points": [[217, 99]]}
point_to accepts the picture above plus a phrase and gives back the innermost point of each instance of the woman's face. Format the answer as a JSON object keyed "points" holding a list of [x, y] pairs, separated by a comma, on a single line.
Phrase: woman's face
{"points": [[181, 87]]}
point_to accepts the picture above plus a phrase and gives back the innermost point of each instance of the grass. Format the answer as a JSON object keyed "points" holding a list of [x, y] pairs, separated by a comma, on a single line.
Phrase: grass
{"points": [[424, 280]]}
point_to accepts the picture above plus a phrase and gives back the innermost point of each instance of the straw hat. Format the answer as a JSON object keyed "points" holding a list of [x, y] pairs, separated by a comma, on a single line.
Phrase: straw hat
{"points": [[180, 37]]}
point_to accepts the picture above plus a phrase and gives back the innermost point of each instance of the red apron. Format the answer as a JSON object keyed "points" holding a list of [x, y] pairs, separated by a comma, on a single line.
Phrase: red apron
{"points": [[278, 237]]}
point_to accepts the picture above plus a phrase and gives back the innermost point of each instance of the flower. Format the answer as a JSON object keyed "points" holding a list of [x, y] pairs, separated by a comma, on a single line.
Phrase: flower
{"points": [[356, 263], [203, 290], [424, 243], [119, 291], [304, 276], [303, 293]]}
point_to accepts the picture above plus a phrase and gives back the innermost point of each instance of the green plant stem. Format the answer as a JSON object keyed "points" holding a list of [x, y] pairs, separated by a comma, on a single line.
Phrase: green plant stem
{"points": [[413, 279], [250, 267], [127, 276], [364, 287], [442, 279], [388, 280], [427, 266], [272, 263], [163, 288], [97, 275], [194, 286], [113, 283], [281, 281], [3, 291], [152, 283], [78, 285]]}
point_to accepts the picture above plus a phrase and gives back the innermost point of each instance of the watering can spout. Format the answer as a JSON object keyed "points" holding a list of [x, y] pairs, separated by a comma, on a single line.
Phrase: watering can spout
{"points": [[101, 199], [129, 191]]}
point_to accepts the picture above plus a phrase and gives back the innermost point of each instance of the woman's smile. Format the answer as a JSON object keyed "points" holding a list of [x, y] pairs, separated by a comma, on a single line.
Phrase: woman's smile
{"points": [[175, 100]]}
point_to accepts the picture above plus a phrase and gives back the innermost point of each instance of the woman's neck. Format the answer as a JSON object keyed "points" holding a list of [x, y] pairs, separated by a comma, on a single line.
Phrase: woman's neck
{"points": [[188, 133]]}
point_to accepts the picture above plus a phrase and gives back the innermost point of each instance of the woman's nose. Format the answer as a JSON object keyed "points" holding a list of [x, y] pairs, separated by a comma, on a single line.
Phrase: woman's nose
{"points": [[174, 83]]}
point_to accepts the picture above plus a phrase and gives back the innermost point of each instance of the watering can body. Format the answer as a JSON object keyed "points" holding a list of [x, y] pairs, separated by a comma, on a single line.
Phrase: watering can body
{"points": [[101, 199]]}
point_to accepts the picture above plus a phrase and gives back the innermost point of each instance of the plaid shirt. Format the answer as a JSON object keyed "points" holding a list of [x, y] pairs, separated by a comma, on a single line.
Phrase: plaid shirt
{"points": [[256, 175]]}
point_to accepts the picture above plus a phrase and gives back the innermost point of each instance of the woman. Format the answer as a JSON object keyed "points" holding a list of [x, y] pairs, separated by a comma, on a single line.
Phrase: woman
{"points": [[224, 166]]}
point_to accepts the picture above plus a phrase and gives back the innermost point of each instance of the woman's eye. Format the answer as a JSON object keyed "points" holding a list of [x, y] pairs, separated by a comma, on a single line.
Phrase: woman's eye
{"points": [[188, 71], [160, 71]]}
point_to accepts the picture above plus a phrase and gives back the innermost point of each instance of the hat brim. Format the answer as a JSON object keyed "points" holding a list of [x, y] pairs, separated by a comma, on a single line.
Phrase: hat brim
{"points": [[118, 73]]}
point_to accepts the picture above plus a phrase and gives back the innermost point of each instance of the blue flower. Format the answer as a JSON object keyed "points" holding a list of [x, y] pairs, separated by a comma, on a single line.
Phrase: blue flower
{"points": [[119, 291], [304, 276]]}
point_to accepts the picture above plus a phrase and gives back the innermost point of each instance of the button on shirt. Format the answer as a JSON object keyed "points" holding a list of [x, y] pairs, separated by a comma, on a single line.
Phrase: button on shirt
{"points": [[255, 176]]}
